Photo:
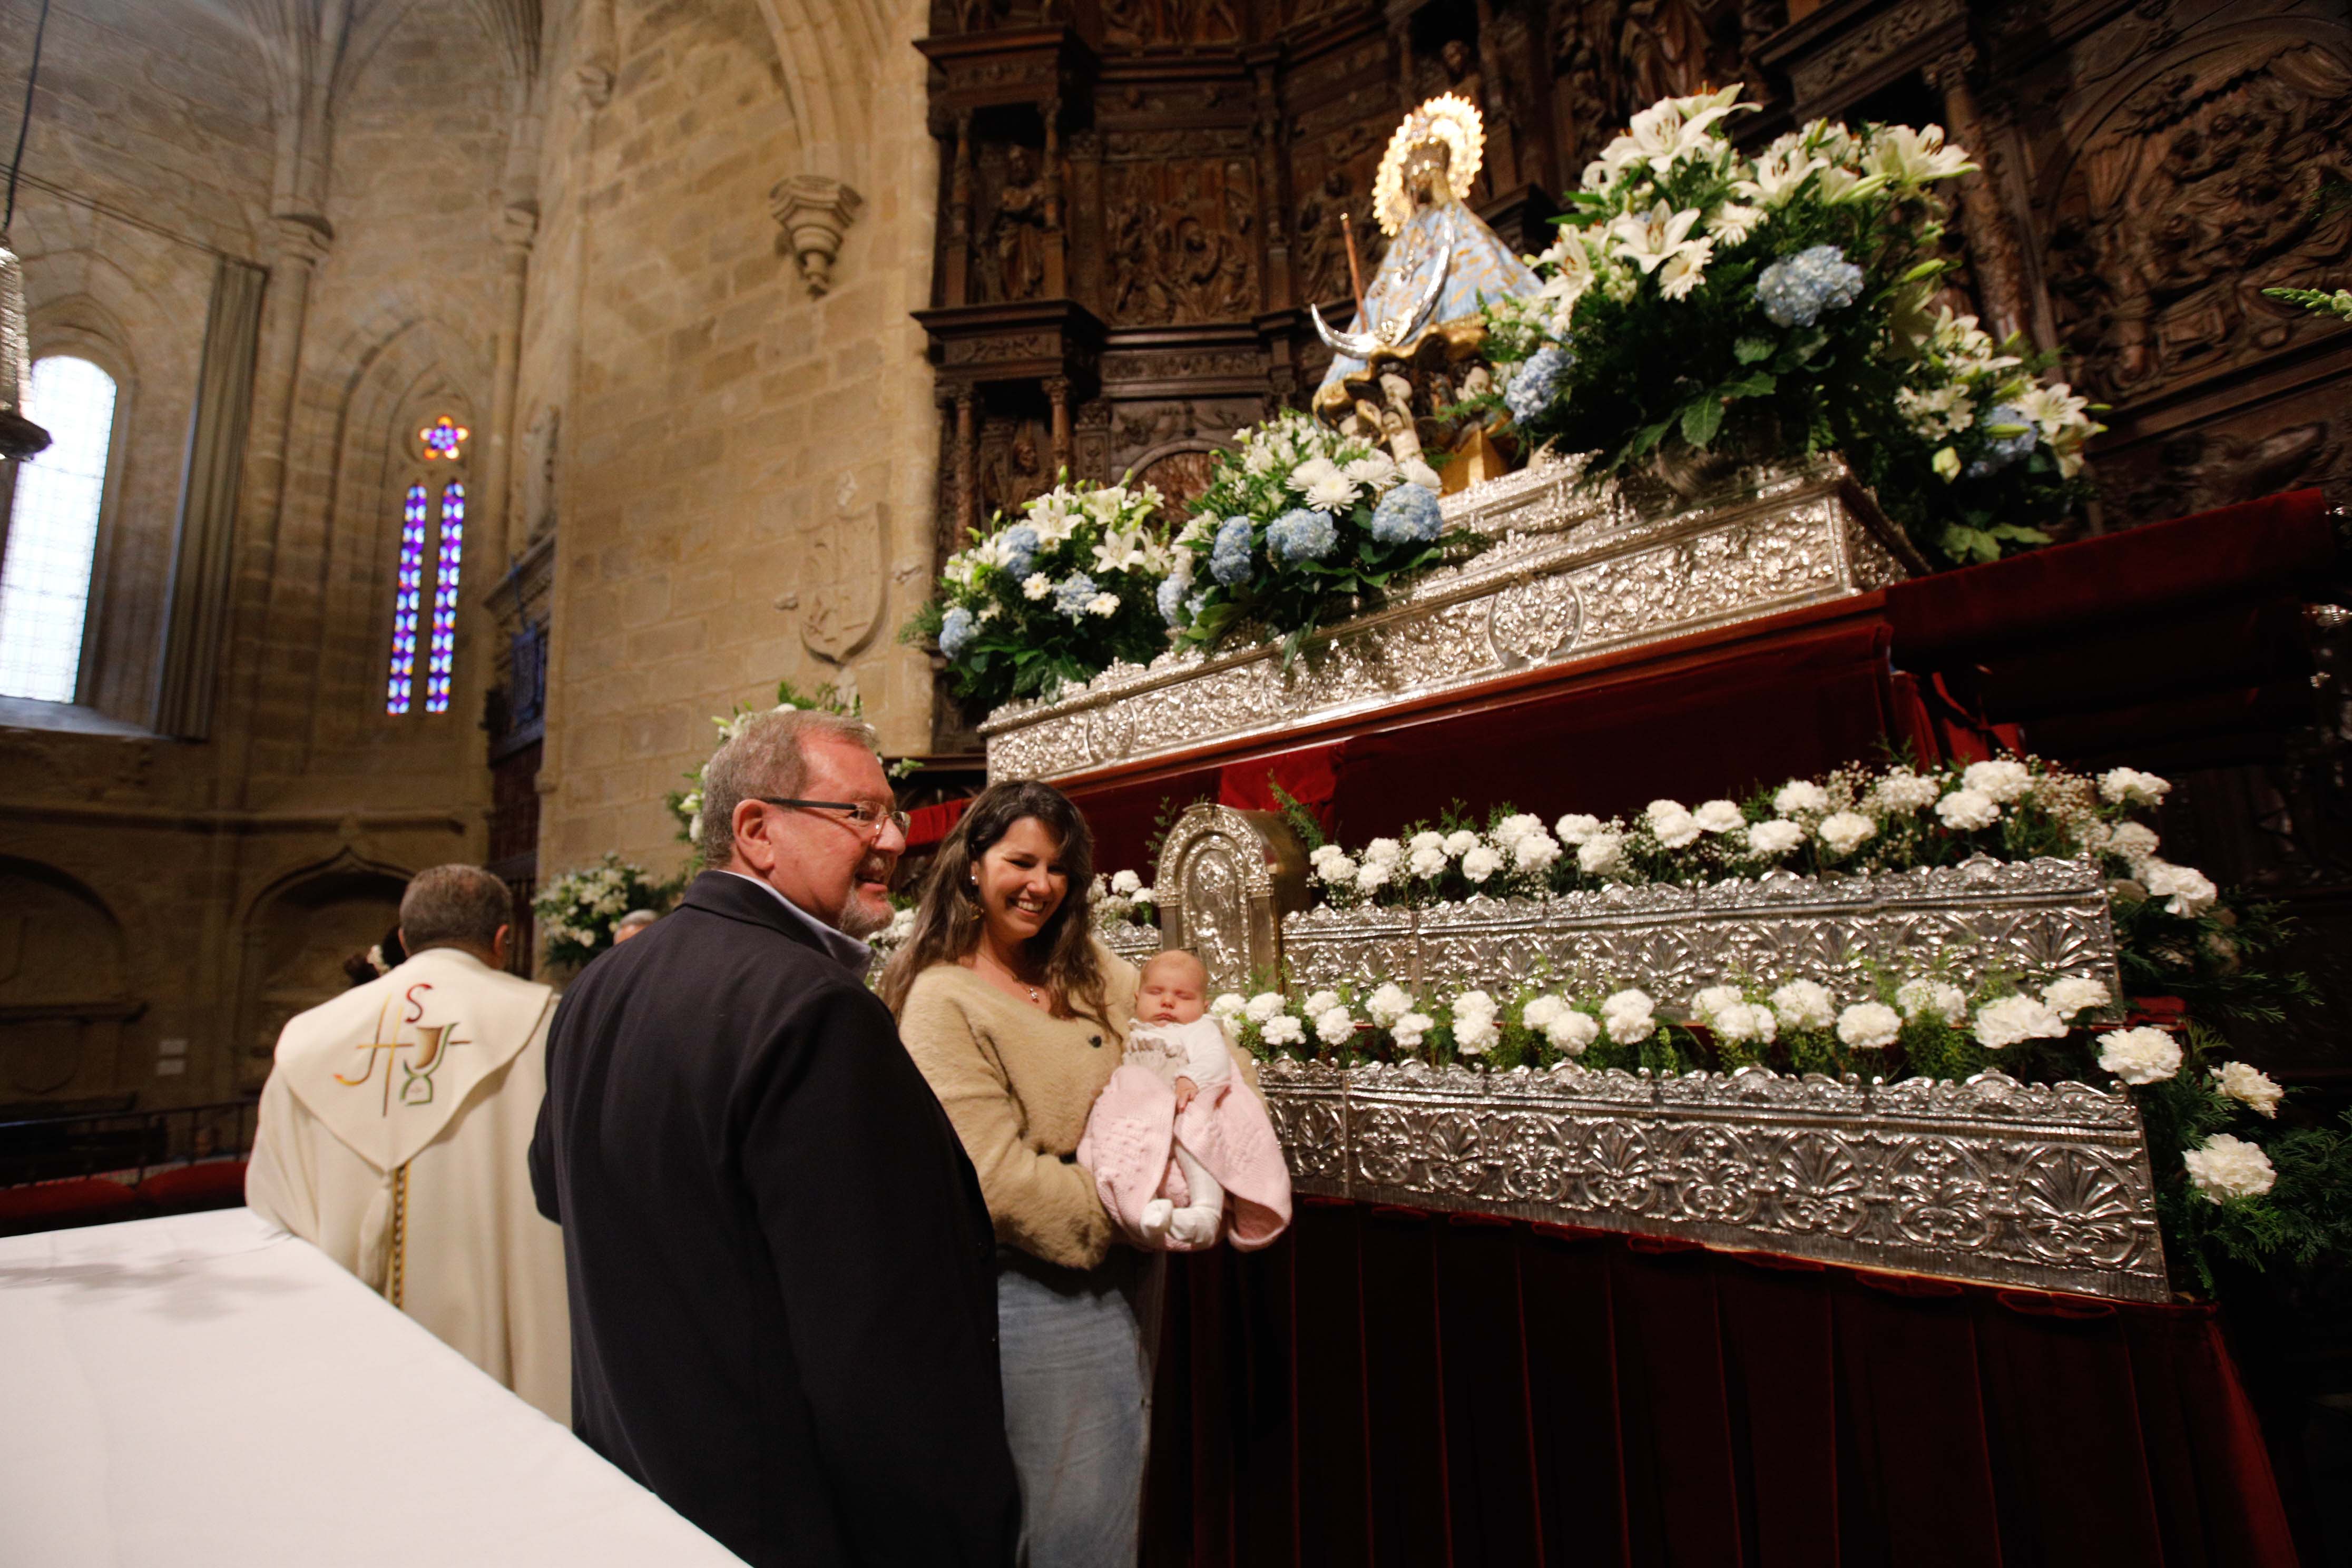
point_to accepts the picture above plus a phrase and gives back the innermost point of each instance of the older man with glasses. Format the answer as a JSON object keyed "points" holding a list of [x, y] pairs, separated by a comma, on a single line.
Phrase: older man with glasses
{"points": [[782, 1272]]}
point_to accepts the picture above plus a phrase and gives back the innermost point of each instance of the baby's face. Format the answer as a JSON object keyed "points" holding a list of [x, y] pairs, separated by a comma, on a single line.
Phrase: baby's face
{"points": [[1173, 992]]}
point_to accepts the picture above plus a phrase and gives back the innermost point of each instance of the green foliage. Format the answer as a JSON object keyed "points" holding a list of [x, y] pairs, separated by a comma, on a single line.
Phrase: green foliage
{"points": [[576, 912]]}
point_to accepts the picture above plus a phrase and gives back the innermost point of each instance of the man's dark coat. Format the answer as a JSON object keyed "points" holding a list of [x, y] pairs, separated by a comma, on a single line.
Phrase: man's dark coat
{"points": [[782, 1272]]}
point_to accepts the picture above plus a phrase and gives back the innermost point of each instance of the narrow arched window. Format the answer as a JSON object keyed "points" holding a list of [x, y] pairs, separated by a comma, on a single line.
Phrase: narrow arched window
{"points": [[437, 457], [52, 543], [409, 584], [444, 652]]}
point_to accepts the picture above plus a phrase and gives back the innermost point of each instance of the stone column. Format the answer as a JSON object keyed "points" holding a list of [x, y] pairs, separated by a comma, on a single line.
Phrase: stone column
{"points": [[1057, 393], [517, 227], [1994, 256], [1057, 263], [967, 412], [958, 258]]}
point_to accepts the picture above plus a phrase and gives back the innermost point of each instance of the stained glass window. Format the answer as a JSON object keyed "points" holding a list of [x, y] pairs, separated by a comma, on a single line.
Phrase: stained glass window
{"points": [[445, 437], [444, 598], [53, 531], [403, 608]]}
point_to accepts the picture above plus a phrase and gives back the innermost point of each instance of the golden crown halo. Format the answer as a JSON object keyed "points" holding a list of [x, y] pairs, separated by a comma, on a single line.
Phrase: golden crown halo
{"points": [[1446, 118]]}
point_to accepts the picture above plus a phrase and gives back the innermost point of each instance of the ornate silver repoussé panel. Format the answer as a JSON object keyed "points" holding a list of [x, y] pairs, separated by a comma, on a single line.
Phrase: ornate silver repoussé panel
{"points": [[1573, 573], [2028, 920], [1991, 1181]]}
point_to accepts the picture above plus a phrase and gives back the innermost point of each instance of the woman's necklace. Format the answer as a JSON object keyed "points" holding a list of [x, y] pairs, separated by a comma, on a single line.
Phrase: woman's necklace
{"points": [[1035, 997]]}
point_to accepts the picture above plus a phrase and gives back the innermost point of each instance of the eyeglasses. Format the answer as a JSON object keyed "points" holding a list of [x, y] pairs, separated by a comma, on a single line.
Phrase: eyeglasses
{"points": [[869, 815]]}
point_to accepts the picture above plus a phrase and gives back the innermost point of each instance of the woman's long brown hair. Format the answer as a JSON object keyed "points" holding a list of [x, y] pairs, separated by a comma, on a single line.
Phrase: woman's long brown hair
{"points": [[948, 916]]}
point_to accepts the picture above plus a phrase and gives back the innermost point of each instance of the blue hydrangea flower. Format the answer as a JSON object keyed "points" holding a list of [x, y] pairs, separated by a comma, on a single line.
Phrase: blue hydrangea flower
{"points": [[1020, 546], [1229, 558], [1073, 594], [1532, 388], [1797, 288], [1301, 535], [2000, 451], [1171, 598], [955, 631], [1195, 604], [1408, 515]]}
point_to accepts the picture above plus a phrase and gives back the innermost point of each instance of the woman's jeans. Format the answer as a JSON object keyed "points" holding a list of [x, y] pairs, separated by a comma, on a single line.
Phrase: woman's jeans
{"points": [[1077, 1402]]}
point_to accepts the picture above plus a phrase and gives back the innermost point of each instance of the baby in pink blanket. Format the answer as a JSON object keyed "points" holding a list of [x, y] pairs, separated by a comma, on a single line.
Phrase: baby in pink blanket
{"points": [[1177, 1134]]}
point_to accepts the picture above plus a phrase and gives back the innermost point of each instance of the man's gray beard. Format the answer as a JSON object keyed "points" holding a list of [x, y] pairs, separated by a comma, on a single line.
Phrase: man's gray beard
{"points": [[859, 918]]}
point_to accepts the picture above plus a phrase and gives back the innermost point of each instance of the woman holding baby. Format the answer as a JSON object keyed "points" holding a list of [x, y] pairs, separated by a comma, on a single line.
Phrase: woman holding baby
{"points": [[1019, 1017]]}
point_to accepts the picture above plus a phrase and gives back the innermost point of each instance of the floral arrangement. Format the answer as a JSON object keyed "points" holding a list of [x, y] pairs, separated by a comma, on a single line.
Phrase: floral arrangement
{"points": [[686, 804], [1300, 525], [1122, 898], [1782, 303], [577, 911], [1056, 595]]}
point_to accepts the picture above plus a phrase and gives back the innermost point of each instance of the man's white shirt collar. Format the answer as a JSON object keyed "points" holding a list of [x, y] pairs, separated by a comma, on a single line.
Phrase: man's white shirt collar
{"points": [[843, 948]]}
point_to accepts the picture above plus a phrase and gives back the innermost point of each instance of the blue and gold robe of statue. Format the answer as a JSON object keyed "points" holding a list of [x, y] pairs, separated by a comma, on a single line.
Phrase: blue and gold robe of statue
{"points": [[1482, 267]]}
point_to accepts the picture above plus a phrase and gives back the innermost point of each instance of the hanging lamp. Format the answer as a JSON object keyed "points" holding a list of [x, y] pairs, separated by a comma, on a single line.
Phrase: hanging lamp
{"points": [[19, 436]]}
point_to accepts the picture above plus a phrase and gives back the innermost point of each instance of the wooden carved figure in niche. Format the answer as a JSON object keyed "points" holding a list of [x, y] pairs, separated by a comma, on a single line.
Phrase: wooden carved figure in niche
{"points": [[1017, 235], [1586, 92], [1420, 333], [1012, 474], [1662, 46]]}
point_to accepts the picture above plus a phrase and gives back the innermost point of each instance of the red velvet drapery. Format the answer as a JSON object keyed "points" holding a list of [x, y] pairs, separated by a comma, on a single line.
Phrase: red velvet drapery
{"points": [[1387, 1387]]}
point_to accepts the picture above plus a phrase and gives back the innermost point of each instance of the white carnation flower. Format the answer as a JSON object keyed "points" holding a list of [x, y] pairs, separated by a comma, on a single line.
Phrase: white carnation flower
{"points": [[1429, 864], [1629, 1016], [2010, 1019], [1805, 1004], [1966, 810], [1371, 878], [1799, 794], [1322, 852], [1126, 884], [1410, 1029], [1539, 1011], [1867, 1026], [2226, 1167], [1283, 1030], [1905, 792], [1481, 863], [1713, 999], [1576, 827], [2251, 1085], [1744, 1021], [1228, 1006], [1426, 842], [2001, 780], [1601, 855], [2187, 891], [1535, 852], [2129, 786], [1383, 852], [1659, 811], [1572, 1031], [1677, 829], [1719, 816], [2139, 1056], [1263, 1006], [1389, 1004], [2134, 841], [1774, 838], [1337, 870], [1459, 844], [1318, 1003], [1936, 998], [1475, 1030], [2070, 995], [1511, 829], [1335, 1026], [1845, 831]]}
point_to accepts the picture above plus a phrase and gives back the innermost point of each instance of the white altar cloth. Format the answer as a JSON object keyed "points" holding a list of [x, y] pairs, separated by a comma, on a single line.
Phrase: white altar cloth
{"points": [[203, 1390]]}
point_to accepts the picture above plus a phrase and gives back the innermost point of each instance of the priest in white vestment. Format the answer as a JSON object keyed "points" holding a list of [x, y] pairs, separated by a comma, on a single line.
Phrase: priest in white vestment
{"points": [[395, 1130]]}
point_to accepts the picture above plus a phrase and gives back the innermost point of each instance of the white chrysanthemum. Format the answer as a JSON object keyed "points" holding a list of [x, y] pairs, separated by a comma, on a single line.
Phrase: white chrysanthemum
{"points": [[1389, 1004], [1866, 1025], [1318, 1003], [1410, 1029], [2010, 1019], [1719, 816], [2224, 1167], [1629, 1017], [2129, 786], [1799, 795], [1371, 878], [1602, 854], [1571, 1031], [1775, 837], [1126, 884], [2186, 891], [1576, 827], [2070, 995], [1263, 1006], [1334, 1025], [2134, 841], [1480, 864], [1932, 998], [1429, 864], [1966, 810], [1383, 852], [1535, 853], [1805, 1004], [1414, 471], [1103, 605], [1230, 1004], [1846, 831], [2001, 780], [1282, 1030], [1375, 469], [1037, 585], [2139, 1056], [1461, 842], [2251, 1085]]}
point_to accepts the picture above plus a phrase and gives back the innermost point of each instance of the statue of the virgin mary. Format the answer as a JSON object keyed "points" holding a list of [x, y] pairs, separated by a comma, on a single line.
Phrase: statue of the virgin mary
{"points": [[1417, 337]]}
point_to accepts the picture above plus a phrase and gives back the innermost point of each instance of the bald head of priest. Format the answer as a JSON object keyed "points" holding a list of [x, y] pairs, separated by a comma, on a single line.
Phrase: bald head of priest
{"points": [[783, 1273], [395, 1128]]}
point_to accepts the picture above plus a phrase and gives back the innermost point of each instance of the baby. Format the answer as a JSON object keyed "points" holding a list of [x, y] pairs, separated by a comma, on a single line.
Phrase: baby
{"points": [[1173, 1040]]}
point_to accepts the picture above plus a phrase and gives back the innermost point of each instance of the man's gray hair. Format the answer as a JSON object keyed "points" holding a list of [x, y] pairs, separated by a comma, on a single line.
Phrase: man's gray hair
{"points": [[633, 918], [454, 906], [768, 756]]}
